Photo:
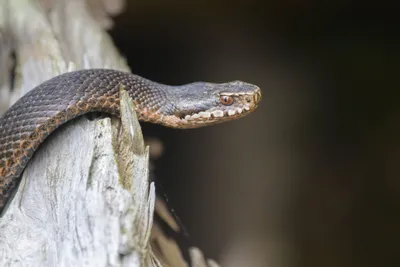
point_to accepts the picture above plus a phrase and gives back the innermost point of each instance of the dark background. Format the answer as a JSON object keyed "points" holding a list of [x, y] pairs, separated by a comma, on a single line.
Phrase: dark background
{"points": [[311, 178]]}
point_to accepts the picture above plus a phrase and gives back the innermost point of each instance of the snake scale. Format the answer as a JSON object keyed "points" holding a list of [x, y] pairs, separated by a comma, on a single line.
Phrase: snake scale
{"points": [[27, 123]]}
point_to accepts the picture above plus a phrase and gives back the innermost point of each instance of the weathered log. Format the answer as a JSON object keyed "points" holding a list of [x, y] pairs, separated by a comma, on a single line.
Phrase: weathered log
{"points": [[84, 198]]}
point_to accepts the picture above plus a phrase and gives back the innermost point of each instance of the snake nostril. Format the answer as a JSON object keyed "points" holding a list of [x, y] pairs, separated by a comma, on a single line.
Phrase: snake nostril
{"points": [[248, 99]]}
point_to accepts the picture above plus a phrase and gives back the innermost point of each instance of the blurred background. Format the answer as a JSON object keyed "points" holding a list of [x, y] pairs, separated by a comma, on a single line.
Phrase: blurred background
{"points": [[311, 178]]}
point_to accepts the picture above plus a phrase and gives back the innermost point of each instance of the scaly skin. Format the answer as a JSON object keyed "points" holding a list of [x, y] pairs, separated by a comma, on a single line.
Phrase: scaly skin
{"points": [[37, 114]]}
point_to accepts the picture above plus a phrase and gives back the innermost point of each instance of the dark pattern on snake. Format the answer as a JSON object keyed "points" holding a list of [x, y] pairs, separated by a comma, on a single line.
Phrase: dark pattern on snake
{"points": [[37, 114]]}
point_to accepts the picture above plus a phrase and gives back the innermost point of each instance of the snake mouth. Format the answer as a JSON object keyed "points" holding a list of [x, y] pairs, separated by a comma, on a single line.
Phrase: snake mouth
{"points": [[217, 114]]}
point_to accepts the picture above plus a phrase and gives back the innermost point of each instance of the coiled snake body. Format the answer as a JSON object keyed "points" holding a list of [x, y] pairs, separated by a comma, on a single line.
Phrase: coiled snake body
{"points": [[37, 114]]}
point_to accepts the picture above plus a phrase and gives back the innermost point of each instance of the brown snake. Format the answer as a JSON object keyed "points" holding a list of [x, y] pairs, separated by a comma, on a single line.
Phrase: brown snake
{"points": [[49, 105]]}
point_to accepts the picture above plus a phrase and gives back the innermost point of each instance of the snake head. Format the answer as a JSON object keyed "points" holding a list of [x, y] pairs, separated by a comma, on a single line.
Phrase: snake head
{"points": [[201, 104]]}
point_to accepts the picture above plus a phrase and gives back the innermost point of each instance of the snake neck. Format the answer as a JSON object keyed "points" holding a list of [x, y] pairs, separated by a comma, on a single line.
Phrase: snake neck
{"points": [[154, 102]]}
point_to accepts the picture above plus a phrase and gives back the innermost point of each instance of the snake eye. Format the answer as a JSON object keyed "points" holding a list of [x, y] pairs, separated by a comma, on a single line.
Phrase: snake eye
{"points": [[226, 100]]}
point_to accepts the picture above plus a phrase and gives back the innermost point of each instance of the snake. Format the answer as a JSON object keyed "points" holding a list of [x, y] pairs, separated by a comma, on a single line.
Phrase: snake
{"points": [[27, 123]]}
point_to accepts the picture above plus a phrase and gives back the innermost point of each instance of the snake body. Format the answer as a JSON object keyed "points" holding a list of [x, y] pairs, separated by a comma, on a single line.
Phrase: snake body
{"points": [[37, 114]]}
